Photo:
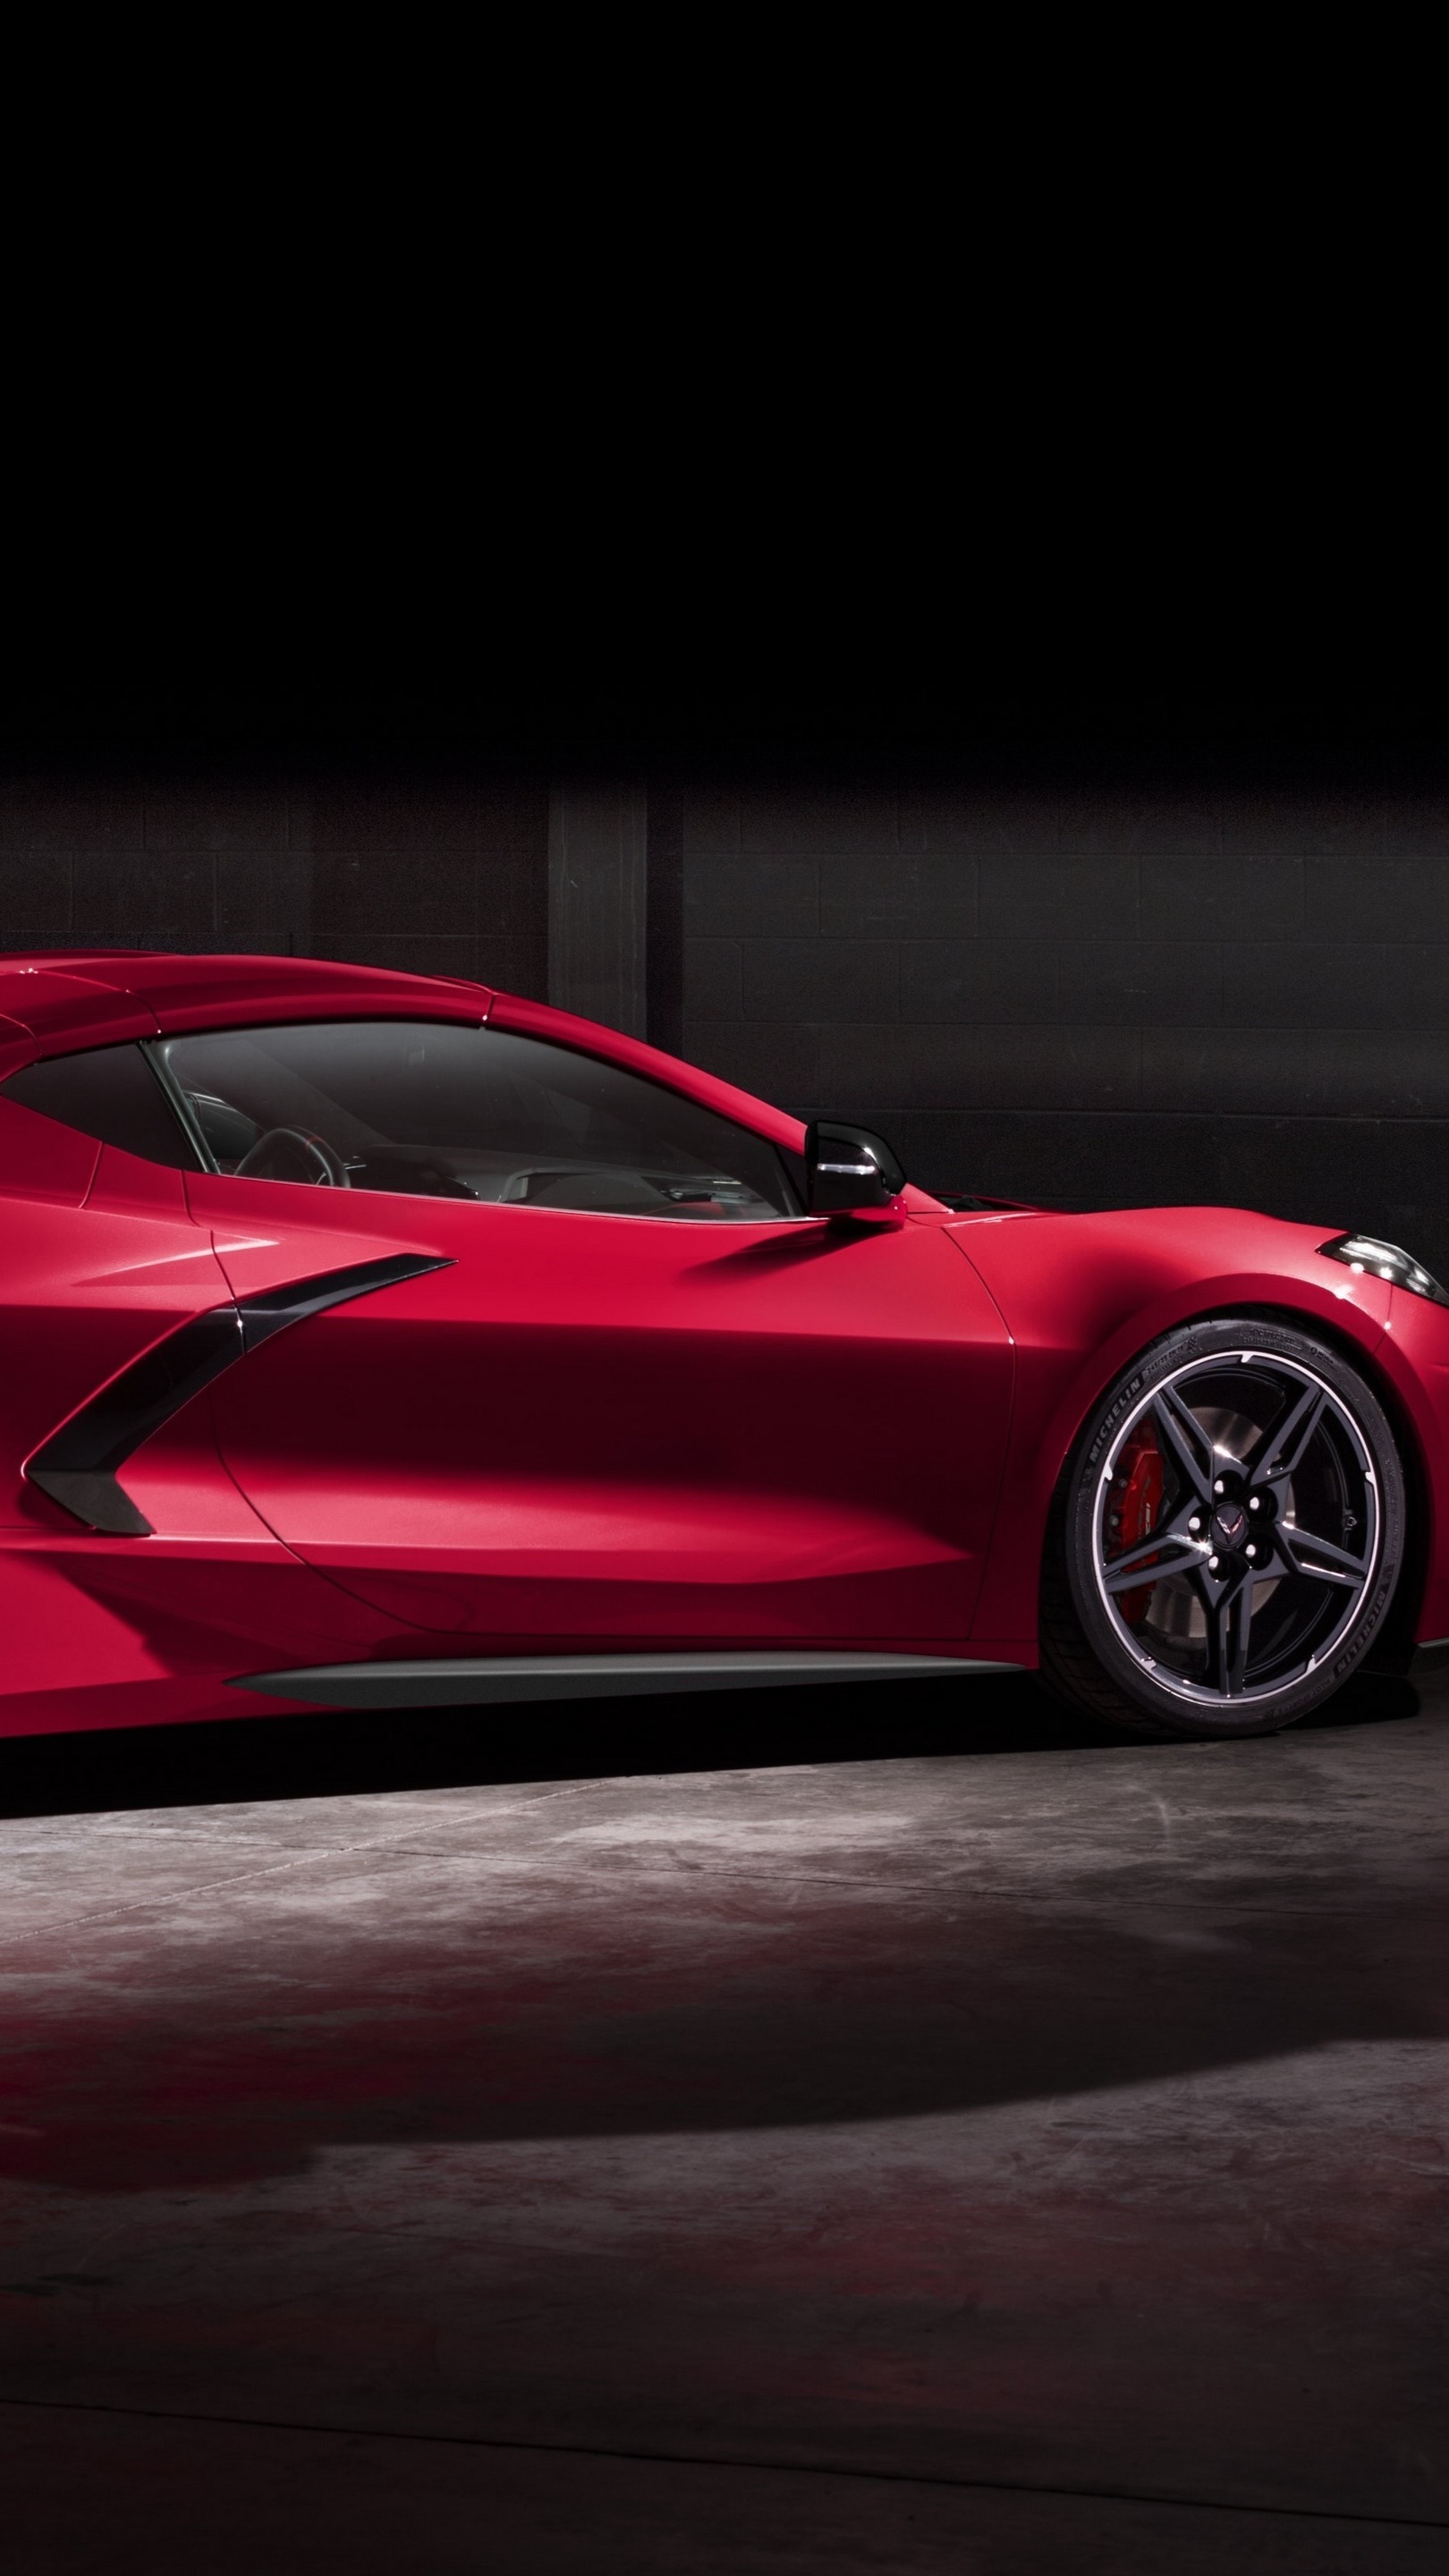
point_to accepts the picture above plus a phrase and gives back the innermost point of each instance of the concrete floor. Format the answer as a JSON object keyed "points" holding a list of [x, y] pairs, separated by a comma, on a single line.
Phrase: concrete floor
{"points": [[917, 2134]]}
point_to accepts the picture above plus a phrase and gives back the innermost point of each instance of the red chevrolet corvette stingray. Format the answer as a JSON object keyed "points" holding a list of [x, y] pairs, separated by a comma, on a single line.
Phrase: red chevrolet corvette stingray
{"points": [[378, 1340]]}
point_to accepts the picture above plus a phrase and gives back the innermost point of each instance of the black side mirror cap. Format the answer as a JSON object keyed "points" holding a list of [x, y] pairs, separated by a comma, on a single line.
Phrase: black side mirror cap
{"points": [[849, 1171]]}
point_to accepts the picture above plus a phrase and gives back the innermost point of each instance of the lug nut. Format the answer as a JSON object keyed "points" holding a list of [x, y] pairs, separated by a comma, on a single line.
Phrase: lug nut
{"points": [[1220, 1487], [1250, 1551], [1212, 1565], [1255, 1503], [1194, 1526]]}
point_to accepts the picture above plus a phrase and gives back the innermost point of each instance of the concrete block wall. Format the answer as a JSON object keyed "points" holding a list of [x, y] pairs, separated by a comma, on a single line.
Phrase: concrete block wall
{"points": [[1094, 1000], [441, 879]]}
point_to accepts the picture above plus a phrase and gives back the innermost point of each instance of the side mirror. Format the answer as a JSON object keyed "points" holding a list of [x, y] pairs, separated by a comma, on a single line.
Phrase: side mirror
{"points": [[849, 1172]]}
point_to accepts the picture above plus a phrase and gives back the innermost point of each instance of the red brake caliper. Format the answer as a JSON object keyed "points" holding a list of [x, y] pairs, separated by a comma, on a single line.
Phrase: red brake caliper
{"points": [[1134, 1508]]}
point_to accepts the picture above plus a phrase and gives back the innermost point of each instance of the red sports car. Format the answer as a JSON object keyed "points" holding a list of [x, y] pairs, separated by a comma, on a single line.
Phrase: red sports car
{"points": [[377, 1340]]}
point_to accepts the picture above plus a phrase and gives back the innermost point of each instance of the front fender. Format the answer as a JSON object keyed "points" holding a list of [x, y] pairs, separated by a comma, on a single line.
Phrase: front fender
{"points": [[1081, 1296]]}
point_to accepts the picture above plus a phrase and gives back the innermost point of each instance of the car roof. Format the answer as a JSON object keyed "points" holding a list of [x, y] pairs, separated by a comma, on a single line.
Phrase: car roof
{"points": [[77, 997], [59, 1001]]}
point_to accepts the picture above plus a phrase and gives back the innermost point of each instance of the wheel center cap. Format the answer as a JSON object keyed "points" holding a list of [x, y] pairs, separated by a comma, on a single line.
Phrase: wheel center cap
{"points": [[1230, 1524]]}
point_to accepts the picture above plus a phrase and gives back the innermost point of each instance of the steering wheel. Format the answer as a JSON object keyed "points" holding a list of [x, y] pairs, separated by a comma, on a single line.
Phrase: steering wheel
{"points": [[294, 1154]]}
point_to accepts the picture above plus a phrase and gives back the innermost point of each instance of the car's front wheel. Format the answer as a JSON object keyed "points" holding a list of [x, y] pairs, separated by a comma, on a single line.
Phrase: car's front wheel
{"points": [[1230, 1534]]}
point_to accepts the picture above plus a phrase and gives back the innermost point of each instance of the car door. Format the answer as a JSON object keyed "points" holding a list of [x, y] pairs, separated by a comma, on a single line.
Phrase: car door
{"points": [[635, 1396]]}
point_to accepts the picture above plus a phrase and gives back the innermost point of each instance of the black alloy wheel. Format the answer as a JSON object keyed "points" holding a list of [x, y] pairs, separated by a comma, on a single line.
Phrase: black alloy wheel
{"points": [[1232, 1533]]}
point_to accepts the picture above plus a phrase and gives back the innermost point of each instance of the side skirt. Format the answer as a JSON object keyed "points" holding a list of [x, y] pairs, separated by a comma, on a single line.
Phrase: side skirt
{"points": [[474, 1680]]}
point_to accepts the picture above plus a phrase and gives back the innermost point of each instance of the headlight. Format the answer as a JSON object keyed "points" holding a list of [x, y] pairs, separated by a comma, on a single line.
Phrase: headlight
{"points": [[1385, 1261]]}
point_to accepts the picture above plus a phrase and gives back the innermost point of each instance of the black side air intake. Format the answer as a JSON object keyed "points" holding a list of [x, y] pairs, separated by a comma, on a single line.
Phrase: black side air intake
{"points": [[77, 1465]]}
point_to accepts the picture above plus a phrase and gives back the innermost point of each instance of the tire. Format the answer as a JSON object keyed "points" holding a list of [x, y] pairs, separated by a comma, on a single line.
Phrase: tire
{"points": [[1249, 1475]]}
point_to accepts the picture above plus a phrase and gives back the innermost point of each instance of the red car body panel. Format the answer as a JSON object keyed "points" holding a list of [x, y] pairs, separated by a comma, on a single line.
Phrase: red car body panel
{"points": [[577, 1430], [588, 1427]]}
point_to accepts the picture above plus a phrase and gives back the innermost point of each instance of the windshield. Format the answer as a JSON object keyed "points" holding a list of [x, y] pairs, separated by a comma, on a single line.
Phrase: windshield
{"points": [[476, 1113]]}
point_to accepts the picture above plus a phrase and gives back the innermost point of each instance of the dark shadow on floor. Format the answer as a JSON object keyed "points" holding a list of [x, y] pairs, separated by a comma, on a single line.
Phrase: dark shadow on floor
{"points": [[335, 1754], [602, 1986]]}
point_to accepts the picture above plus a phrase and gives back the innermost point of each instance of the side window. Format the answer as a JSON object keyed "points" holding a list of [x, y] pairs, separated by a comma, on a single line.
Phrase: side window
{"points": [[468, 1113], [110, 1093]]}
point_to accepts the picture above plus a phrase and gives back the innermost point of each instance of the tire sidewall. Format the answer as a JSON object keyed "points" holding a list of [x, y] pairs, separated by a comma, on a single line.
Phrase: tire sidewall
{"points": [[1176, 1350]]}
